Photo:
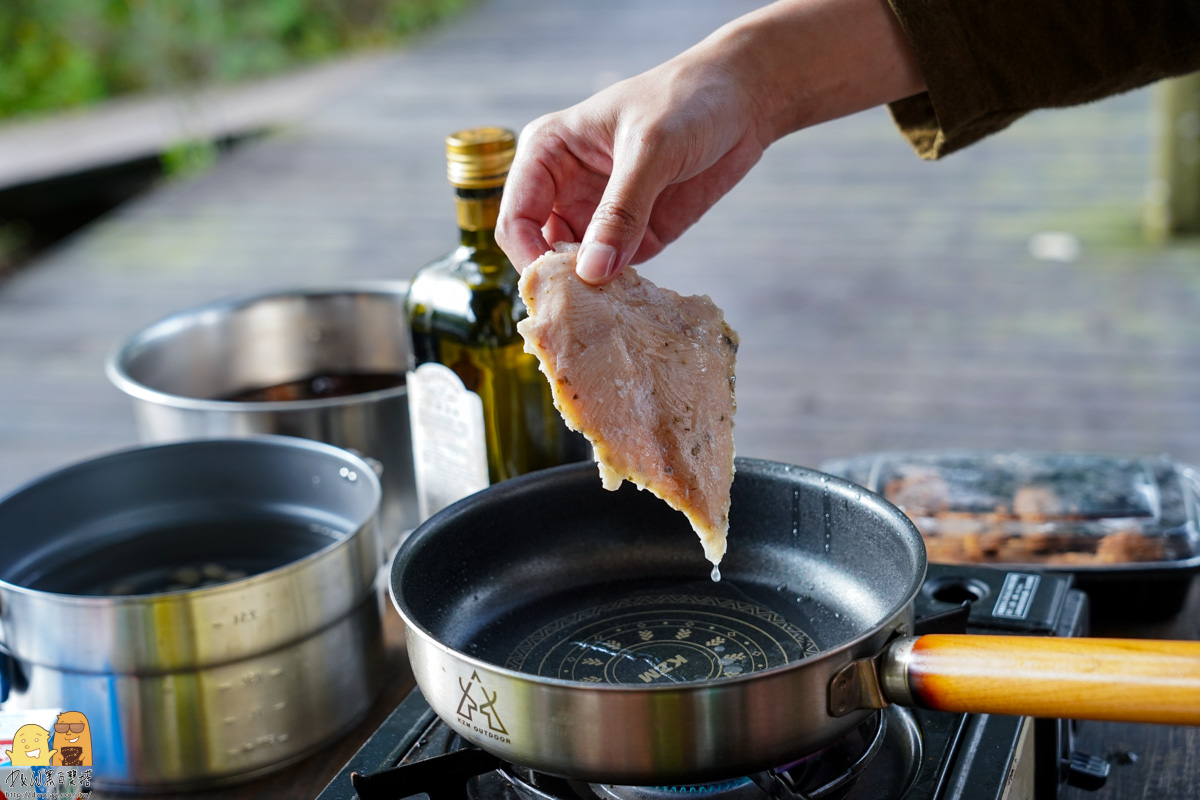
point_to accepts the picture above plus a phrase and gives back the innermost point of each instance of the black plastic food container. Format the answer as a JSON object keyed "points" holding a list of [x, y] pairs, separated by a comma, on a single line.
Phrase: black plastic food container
{"points": [[1125, 526]]}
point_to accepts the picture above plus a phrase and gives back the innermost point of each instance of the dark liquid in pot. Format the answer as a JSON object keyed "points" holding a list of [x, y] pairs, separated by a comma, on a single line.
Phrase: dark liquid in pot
{"points": [[317, 387], [185, 556]]}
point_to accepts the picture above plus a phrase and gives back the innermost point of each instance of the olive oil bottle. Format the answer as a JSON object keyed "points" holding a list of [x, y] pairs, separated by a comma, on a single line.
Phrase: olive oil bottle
{"points": [[481, 412]]}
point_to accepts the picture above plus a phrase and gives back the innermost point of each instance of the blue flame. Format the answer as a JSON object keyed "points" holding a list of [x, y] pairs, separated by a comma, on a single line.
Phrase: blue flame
{"points": [[705, 788]]}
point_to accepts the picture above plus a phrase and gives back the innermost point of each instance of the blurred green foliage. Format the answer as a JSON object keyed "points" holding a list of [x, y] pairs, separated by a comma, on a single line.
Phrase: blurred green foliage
{"points": [[62, 53]]}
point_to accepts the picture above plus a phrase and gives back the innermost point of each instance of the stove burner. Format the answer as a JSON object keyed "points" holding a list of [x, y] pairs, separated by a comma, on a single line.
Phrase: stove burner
{"points": [[737, 789], [660, 638], [877, 761], [832, 773], [833, 769]]}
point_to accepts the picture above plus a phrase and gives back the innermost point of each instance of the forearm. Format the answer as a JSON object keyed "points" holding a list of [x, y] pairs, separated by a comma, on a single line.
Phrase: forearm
{"points": [[803, 62], [988, 63]]}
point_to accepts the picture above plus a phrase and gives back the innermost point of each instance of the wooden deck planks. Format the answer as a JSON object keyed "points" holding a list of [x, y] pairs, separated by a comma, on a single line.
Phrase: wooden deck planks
{"points": [[883, 302]]}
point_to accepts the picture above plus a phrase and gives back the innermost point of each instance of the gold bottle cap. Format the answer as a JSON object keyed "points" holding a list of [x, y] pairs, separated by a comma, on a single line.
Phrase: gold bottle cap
{"points": [[479, 158]]}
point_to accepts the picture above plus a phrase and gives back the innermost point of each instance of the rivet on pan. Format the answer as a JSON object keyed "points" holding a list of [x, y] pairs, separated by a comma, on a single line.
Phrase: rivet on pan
{"points": [[348, 474]]}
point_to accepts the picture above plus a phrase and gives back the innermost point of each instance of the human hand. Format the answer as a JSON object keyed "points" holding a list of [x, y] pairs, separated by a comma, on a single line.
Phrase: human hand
{"points": [[630, 169]]}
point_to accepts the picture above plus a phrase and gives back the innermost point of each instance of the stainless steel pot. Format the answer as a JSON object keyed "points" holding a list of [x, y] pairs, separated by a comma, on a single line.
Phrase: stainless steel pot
{"points": [[174, 369], [191, 687]]}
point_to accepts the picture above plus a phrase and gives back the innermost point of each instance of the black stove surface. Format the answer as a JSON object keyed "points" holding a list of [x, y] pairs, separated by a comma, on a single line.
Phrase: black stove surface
{"points": [[905, 754]]}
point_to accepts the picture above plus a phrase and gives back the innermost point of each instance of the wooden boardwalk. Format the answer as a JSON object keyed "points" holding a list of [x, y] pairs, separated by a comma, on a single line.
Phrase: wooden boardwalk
{"points": [[130, 129], [882, 302]]}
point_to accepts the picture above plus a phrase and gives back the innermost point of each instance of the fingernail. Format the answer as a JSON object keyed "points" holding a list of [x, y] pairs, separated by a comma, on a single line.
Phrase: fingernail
{"points": [[595, 261]]}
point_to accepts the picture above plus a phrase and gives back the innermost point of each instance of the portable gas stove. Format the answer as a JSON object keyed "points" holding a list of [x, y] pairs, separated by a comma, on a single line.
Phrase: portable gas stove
{"points": [[909, 754]]}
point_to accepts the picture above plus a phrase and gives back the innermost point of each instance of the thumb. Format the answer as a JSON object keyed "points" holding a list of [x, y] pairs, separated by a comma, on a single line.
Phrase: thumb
{"points": [[619, 222]]}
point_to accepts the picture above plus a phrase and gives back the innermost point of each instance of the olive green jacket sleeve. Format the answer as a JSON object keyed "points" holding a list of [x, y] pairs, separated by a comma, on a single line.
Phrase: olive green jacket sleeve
{"points": [[988, 62]]}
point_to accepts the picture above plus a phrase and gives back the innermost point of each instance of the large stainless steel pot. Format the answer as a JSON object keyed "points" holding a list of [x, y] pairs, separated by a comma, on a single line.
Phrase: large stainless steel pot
{"points": [[576, 631], [174, 368], [190, 687]]}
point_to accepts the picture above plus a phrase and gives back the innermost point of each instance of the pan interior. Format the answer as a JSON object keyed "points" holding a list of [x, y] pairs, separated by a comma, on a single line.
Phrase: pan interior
{"points": [[653, 631], [553, 576]]}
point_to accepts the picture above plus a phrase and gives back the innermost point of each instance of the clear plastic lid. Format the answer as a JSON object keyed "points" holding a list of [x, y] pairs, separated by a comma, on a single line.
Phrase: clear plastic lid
{"points": [[1038, 508]]}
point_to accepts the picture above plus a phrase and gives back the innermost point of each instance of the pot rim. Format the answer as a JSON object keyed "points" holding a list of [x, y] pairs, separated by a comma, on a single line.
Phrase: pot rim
{"points": [[117, 359], [237, 585]]}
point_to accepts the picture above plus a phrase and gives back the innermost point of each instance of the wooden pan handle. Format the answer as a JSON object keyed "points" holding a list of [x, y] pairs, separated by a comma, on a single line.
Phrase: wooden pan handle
{"points": [[1131, 680]]}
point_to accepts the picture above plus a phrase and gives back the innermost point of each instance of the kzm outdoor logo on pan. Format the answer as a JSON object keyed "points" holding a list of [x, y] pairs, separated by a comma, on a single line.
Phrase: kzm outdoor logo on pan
{"points": [[475, 714]]}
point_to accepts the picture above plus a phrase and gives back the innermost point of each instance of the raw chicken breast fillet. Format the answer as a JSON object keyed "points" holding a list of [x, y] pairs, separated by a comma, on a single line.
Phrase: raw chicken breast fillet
{"points": [[647, 376]]}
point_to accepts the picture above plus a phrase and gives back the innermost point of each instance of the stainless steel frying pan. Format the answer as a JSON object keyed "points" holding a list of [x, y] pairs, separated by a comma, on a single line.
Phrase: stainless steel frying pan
{"points": [[576, 631]]}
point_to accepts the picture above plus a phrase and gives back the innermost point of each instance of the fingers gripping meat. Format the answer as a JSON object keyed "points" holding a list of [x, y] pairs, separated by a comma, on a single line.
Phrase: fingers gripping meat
{"points": [[647, 376]]}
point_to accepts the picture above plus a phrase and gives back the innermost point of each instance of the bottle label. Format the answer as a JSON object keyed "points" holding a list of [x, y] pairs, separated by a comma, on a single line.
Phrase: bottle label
{"points": [[448, 439]]}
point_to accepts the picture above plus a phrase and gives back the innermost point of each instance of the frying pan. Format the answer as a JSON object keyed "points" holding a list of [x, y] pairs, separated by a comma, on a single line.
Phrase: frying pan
{"points": [[577, 631]]}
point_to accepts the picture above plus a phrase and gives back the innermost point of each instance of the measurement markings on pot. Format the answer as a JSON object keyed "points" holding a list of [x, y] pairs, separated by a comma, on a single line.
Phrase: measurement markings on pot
{"points": [[242, 618], [662, 638], [258, 743]]}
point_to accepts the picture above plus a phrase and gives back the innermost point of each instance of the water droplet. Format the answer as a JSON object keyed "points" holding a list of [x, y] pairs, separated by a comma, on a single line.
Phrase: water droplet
{"points": [[781, 587], [348, 474], [827, 509], [715, 574]]}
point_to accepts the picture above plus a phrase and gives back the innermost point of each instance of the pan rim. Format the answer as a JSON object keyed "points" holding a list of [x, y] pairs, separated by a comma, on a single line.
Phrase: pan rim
{"points": [[836, 653], [707, 684]]}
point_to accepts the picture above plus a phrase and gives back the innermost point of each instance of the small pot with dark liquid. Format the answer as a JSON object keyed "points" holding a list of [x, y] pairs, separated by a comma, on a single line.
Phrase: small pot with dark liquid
{"points": [[319, 364]]}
